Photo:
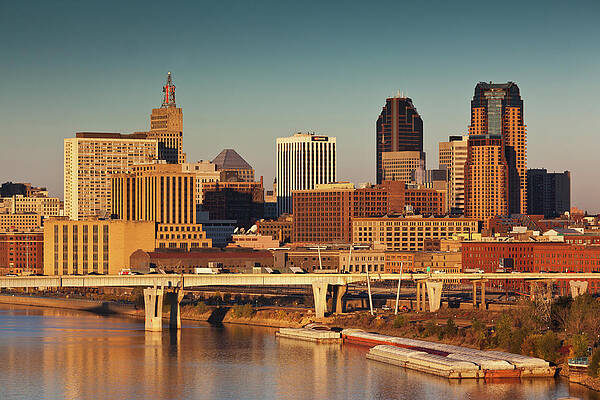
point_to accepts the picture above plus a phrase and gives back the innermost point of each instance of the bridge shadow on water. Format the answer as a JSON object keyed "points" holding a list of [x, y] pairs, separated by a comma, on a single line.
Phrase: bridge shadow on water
{"points": [[102, 309], [218, 315]]}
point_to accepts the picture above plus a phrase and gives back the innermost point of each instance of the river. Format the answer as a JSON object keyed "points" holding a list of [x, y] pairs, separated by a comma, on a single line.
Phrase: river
{"points": [[59, 354]]}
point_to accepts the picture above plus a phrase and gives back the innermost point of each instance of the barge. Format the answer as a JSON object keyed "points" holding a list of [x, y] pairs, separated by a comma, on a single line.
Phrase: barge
{"points": [[310, 335], [440, 358]]}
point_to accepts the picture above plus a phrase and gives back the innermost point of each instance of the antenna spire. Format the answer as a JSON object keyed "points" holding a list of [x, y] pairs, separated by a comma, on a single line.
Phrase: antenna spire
{"points": [[169, 93]]}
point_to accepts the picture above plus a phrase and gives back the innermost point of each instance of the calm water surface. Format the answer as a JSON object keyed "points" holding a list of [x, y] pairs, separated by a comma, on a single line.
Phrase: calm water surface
{"points": [[56, 354]]}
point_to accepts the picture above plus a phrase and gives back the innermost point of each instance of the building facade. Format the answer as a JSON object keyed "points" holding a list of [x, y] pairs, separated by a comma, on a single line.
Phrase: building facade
{"points": [[232, 167], [486, 178], [98, 246], [400, 165], [45, 206], [90, 159], [205, 172], [324, 214], [21, 253], [408, 233], [20, 222], [399, 128], [304, 160], [166, 126], [453, 156], [548, 193], [497, 110], [279, 229]]}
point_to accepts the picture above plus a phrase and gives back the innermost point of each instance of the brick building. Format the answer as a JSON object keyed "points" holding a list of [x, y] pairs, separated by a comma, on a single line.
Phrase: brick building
{"points": [[546, 257], [21, 253], [279, 229]]}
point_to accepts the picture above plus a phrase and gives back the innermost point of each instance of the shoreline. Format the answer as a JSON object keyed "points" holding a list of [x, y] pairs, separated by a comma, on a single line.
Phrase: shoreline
{"points": [[267, 318]]}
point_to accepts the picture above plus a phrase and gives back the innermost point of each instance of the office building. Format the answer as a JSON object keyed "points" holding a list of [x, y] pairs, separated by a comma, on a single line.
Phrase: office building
{"points": [[453, 156], [162, 193], [19, 204], [20, 222], [99, 246], [548, 193], [497, 110], [90, 159], [279, 229], [399, 128], [232, 167], [166, 126], [205, 172], [408, 233], [324, 214], [21, 253], [399, 165], [486, 178], [304, 160]]}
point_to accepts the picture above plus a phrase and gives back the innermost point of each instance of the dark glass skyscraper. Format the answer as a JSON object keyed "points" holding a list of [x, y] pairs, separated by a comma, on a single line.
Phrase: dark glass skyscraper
{"points": [[399, 128], [548, 194]]}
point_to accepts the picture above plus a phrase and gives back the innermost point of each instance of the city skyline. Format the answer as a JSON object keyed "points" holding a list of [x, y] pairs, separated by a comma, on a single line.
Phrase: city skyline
{"points": [[247, 106]]}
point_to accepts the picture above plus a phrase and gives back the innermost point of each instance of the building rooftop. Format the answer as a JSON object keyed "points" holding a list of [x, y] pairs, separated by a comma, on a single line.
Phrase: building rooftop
{"points": [[230, 159]]}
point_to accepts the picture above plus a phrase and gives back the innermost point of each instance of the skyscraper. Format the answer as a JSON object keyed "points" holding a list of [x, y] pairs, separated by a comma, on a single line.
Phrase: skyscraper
{"points": [[89, 161], [399, 128], [166, 126], [548, 193], [497, 109], [453, 156], [486, 178], [303, 161]]}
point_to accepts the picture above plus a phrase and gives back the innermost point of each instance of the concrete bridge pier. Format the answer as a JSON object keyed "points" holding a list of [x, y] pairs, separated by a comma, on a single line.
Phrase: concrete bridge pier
{"points": [[153, 302], [174, 298], [578, 288], [320, 298], [434, 291], [338, 298], [482, 304]]}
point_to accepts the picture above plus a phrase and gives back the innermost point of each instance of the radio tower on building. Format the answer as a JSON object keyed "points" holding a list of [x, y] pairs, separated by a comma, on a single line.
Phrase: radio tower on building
{"points": [[169, 93]]}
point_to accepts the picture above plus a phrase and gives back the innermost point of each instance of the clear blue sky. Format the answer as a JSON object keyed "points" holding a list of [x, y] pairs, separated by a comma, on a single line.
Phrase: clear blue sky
{"points": [[247, 72]]}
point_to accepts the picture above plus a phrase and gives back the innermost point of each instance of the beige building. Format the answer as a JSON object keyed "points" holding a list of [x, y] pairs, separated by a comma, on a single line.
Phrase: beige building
{"points": [[89, 161], [20, 222], [205, 172], [99, 246], [162, 193], [166, 126], [453, 156], [361, 261], [399, 165], [45, 206], [407, 233], [254, 241]]}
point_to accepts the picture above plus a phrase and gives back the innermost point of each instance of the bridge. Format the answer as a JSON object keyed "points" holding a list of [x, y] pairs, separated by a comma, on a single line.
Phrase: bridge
{"points": [[172, 286]]}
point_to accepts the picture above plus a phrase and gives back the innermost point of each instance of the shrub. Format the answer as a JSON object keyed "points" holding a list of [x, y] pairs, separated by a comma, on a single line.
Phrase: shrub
{"points": [[504, 331], [547, 346], [594, 367], [451, 329], [579, 344], [399, 321], [201, 307], [242, 311]]}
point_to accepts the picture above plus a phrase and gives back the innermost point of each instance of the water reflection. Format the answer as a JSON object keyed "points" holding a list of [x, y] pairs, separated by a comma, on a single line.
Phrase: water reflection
{"points": [[57, 354]]}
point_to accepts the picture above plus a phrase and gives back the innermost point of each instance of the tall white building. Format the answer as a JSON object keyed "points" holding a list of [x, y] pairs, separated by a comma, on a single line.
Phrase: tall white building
{"points": [[453, 156], [303, 161], [90, 159]]}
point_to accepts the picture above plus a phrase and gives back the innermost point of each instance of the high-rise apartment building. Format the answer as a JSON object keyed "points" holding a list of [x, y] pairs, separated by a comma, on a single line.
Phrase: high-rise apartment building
{"points": [[166, 126], [89, 161], [453, 156], [399, 128], [486, 178], [497, 109], [303, 161], [548, 193], [399, 165]]}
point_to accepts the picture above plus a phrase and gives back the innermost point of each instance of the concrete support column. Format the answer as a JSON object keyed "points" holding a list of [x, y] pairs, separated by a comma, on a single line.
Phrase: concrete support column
{"points": [[320, 298], [153, 302], [474, 294], [578, 288], [338, 298], [482, 304], [423, 296], [434, 291], [418, 297], [174, 298]]}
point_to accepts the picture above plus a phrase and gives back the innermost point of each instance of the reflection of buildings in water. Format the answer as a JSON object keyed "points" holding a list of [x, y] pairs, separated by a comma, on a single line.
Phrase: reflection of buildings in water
{"points": [[296, 358]]}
